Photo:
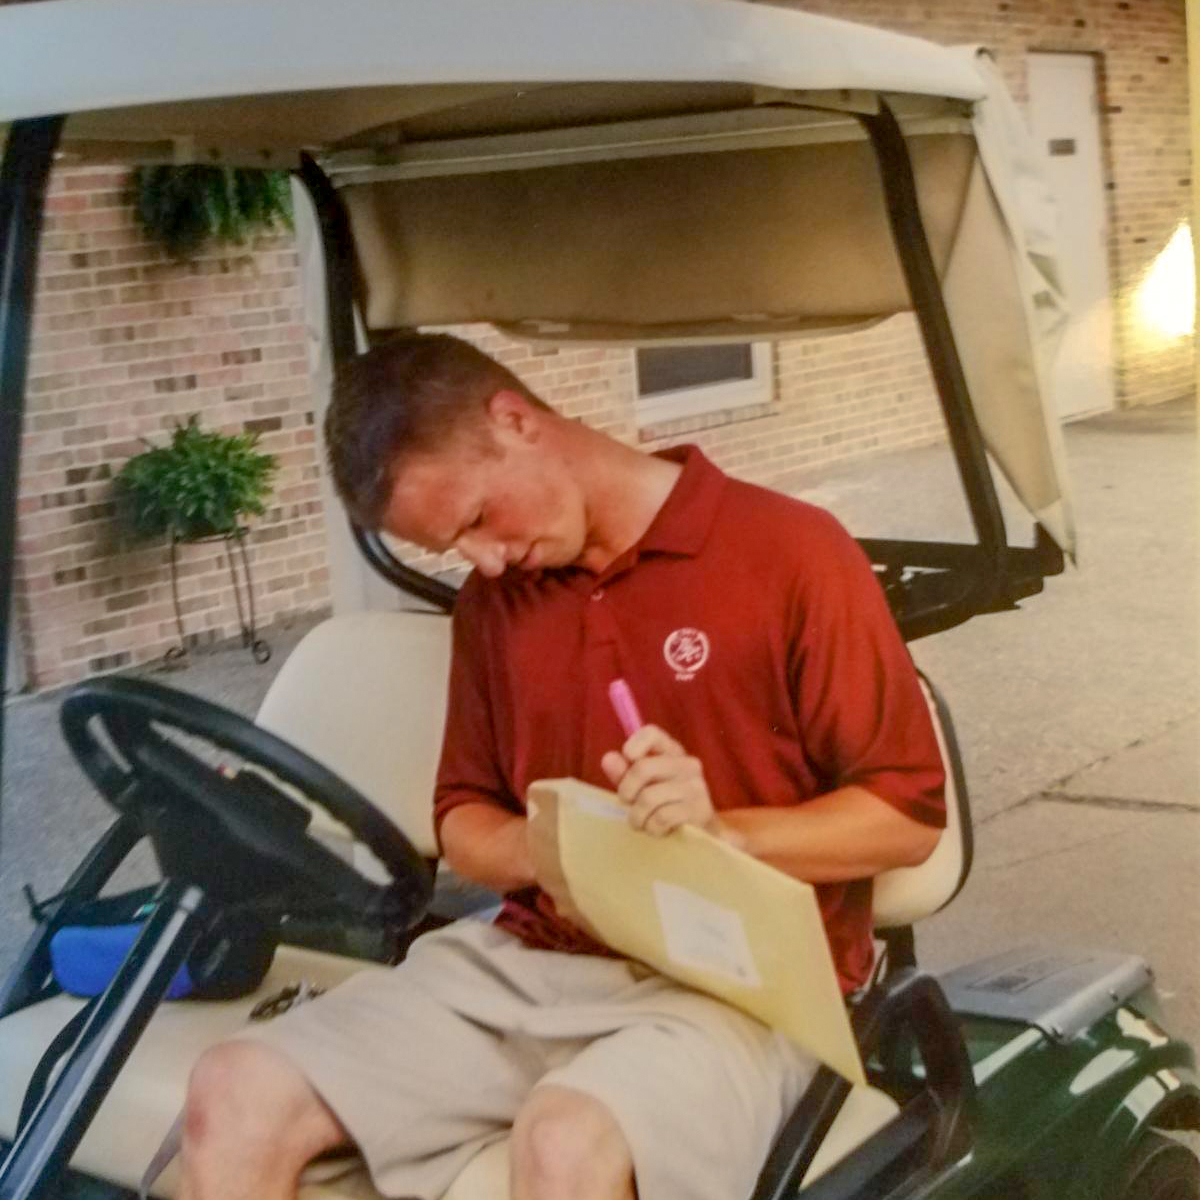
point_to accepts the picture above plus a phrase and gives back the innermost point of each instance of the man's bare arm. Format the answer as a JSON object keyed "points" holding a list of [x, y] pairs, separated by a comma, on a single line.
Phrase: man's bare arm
{"points": [[849, 833], [488, 846], [846, 834]]}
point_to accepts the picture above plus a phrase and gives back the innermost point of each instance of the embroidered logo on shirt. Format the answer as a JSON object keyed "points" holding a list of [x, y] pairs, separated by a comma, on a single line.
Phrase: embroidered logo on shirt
{"points": [[686, 651]]}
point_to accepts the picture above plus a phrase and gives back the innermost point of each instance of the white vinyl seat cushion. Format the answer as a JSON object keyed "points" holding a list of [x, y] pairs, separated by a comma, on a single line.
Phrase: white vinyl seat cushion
{"points": [[905, 895], [365, 695], [149, 1091]]}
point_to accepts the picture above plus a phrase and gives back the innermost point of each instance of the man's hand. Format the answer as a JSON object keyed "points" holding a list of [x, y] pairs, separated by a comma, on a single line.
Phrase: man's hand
{"points": [[662, 784]]}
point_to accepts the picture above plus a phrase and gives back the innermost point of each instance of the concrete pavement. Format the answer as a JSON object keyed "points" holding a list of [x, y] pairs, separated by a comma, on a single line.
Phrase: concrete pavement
{"points": [[1076, 714]]}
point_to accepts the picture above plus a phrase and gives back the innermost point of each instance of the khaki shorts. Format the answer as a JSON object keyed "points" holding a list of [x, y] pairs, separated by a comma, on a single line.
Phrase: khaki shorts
{"points": [[429, 1063]]}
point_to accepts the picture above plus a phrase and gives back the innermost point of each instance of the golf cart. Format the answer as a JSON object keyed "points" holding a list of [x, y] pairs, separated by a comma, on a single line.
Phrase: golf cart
{"points": [[689, 171]]}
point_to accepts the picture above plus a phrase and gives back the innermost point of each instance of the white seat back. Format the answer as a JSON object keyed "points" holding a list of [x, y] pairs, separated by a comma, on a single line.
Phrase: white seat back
{"points": [[365, 695], [907, 894]]}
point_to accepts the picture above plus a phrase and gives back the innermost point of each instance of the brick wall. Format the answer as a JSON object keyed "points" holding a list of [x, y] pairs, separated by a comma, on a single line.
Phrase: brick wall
{"points": [[126, 343]]}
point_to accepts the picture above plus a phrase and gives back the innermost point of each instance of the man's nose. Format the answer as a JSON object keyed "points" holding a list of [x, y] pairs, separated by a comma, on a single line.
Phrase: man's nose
{"points": [[486, 556]]}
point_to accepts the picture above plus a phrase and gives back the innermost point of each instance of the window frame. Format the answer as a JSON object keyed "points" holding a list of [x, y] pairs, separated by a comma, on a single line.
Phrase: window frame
{"points": [[683, 403]]}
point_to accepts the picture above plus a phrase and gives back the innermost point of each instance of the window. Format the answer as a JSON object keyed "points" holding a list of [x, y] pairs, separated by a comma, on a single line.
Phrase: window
{"points": [[675, 382]]}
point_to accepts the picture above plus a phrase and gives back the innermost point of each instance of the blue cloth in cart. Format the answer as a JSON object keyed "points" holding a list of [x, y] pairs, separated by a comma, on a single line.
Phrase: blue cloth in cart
{"points": [[84, 958]]}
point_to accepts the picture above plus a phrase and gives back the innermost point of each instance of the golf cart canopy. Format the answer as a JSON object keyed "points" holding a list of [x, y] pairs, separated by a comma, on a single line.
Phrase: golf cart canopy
{"points": [[615, 172]]}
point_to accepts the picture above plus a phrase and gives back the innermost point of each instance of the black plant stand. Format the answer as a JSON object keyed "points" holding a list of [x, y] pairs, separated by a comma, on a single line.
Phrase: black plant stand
{"points": [[257, 646]]}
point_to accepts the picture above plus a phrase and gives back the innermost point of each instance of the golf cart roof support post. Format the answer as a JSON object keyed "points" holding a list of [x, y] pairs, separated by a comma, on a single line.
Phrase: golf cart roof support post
{"points": [[916, 260], [44, 1146], [417, 583], [337, 247], [26, 167]]}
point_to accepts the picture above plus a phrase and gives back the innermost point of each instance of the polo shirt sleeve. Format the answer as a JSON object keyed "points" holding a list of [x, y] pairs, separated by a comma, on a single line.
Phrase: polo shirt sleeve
{"points": [[469, 769], [863, 718]]}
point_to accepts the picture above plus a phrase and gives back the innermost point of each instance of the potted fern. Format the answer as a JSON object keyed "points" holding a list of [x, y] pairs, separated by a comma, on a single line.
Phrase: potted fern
{"points": [[183, 208], [202, 485]]}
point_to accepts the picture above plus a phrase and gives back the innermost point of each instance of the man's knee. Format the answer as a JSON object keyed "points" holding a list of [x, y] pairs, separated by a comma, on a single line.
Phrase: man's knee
{"points": [[564, 1142], [246, 1093]]}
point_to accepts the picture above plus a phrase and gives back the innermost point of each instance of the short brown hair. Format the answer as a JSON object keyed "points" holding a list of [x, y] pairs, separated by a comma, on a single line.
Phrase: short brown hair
{"points": [[409, 395]]}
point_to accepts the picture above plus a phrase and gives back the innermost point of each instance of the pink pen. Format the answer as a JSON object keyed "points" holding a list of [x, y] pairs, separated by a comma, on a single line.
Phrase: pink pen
{"points": [[625, 706]]}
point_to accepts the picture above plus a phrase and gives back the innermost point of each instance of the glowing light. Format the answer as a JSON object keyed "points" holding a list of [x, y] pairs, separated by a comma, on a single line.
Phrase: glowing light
{"points": [[1166, 297]]}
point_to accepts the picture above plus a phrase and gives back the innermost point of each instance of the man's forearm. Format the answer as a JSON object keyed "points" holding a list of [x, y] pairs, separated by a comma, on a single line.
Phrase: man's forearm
{"points": [[488, 846], [846, 834]]}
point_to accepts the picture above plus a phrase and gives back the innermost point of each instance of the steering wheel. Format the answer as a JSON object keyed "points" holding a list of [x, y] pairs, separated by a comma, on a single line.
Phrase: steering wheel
{"points": [[240, 836]]}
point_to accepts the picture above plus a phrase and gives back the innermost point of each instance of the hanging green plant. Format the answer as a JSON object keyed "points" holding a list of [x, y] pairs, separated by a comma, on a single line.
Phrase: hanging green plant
{"points": [[183, 207], [202, 484]]}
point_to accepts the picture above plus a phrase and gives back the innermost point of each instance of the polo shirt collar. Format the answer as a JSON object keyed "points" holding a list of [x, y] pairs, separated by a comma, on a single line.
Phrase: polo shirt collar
{"points": [[682, 525]]}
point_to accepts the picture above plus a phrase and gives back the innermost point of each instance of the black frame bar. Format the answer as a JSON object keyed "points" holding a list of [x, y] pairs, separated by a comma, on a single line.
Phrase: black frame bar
{"points": [[425, 587], [337, 246], [991, 575], [43, 1148], [28, 157], [920, 273], [932, 586], [908, 1003], [30, 976]]}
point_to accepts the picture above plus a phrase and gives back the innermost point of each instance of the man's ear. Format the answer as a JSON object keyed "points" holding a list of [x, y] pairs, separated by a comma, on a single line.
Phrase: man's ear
{"points": [[510, 414]]}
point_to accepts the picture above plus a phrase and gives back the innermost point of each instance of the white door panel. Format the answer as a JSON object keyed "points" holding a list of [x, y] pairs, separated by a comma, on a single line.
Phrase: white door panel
{"points": [[354, 586], [1065, 117]]}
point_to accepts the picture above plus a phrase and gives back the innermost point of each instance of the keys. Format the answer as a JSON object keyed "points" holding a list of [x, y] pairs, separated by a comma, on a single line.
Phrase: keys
{"points": [[287, 997]]}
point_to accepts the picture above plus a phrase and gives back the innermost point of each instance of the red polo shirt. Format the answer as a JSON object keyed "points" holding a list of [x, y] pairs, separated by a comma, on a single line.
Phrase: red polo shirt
{"points": [[749, 626]]}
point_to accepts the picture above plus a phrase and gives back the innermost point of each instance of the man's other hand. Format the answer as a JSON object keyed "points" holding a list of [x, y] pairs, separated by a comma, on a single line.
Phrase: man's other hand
{"points": [[661, 783]]}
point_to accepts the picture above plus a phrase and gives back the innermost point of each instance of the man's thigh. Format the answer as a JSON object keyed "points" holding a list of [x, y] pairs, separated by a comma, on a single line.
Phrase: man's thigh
{"points": [[427, 1064], [699, 1092], [419, 1086]]}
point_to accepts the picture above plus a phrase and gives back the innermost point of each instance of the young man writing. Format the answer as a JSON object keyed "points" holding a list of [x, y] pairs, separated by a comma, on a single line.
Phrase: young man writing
{"points": [[783, 714]]}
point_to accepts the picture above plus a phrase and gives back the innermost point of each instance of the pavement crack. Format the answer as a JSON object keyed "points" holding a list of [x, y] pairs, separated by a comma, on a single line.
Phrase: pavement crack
{"points": [[1117, 802], [1057, 789], [1061, 782]]}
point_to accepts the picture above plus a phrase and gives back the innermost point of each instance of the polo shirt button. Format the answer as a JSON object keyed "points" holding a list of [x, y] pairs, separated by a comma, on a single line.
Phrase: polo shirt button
{"points": [[598, 594]]}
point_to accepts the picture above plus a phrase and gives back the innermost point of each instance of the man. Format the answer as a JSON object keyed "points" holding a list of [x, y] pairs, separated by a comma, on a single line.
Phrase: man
{"points": [[783, 715]]}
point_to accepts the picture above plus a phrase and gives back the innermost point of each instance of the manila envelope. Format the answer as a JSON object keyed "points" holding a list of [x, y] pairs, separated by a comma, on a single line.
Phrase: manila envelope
{"points": [[696, 909]]}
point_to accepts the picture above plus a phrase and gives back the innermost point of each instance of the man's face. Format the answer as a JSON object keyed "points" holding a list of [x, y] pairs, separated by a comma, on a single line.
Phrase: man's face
{"points": [[499, 499]]}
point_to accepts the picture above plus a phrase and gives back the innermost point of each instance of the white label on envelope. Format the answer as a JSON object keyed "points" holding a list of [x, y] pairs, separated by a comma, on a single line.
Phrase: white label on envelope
{"points": [[704, 935]]}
